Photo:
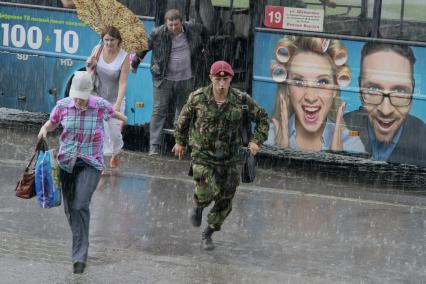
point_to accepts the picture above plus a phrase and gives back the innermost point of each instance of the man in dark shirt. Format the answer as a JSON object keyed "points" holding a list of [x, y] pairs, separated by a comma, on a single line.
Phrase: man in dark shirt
{"points": [[177, 49]]}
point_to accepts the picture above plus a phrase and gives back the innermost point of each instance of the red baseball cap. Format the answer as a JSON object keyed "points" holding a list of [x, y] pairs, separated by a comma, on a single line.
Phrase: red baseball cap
{"points": [[221, 68]]}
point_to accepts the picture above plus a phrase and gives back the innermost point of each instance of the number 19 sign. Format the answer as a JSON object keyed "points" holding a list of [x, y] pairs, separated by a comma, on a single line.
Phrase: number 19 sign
{"points": [[278, 17]]}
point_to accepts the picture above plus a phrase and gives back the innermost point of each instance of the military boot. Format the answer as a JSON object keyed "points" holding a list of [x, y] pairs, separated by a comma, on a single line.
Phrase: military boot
{"points": [[196, 216], [206, 241]]}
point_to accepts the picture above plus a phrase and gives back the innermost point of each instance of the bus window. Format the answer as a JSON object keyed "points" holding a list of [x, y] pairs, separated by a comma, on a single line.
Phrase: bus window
{"points": [[228, 22], [35, 2], [227, 3], [176, 4], [141, 8], [50, 3], [237, 13], [163, 6], [67, 4], [403, 20], [340, 16]]}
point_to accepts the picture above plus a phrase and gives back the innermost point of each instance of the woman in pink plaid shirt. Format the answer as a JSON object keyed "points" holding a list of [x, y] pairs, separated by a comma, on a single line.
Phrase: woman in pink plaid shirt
{"points": [[80, 155]]}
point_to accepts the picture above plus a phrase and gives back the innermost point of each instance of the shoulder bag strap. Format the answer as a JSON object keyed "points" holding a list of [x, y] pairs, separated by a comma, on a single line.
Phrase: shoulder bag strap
{"points": [[31, 161], [244, 106], [99, 51], [245, 124], [41, 145]]}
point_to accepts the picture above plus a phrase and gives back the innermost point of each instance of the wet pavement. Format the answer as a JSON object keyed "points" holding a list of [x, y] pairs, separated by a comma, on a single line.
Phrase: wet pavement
{"points": [[288, 227]]}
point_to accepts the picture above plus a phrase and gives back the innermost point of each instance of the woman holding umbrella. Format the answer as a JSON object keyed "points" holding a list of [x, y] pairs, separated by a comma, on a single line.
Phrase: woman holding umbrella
{"points": [[110, 63]]}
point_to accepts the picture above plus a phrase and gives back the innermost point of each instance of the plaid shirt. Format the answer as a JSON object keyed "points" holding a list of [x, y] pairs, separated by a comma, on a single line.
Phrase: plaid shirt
{"points": [[83, 131]]}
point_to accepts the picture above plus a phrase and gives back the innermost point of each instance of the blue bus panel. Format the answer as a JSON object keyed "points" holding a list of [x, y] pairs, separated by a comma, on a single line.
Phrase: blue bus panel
{"points": [[40, 49]]}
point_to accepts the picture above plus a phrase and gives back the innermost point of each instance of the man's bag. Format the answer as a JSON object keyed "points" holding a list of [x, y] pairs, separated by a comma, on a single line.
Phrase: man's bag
{"points": [[25, 187], [248, 170], [47, 184]]}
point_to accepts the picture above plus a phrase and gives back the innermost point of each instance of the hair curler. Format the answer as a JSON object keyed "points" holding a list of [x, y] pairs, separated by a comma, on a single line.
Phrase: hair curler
{"points": [[339, 55], [284, 50], [344, 76], [278, 71]]}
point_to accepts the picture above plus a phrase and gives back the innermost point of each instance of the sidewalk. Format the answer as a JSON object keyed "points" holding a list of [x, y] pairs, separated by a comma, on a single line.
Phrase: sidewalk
{"points": [[287, 227]]}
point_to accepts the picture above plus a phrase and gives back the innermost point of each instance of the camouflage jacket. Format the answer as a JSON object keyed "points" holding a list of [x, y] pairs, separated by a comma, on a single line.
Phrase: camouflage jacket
{"points": [[214, 132]]}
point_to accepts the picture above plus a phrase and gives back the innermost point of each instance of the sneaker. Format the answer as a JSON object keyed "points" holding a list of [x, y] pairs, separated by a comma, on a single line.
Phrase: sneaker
{"points": [[78, 267], [196, 216], [154, 150], [206, 241]]}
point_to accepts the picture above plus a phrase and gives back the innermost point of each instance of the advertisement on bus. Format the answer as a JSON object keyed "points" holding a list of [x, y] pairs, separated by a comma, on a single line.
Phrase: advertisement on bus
{"points": [[328, 94]]}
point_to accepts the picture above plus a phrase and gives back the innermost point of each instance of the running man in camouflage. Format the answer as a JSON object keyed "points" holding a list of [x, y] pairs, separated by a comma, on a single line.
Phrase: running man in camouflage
{"points": [[210, 123]]}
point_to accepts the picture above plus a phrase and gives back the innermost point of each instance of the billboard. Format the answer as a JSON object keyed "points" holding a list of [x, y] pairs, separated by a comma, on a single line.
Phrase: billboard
{"points": [[325, 94]]}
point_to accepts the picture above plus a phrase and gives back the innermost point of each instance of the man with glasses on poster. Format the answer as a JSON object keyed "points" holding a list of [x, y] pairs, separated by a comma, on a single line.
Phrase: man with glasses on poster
{"points": [[386, 128]]}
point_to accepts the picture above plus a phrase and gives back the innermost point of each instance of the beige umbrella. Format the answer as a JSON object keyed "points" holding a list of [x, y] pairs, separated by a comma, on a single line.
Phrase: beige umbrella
{"points": [[99, 14]]}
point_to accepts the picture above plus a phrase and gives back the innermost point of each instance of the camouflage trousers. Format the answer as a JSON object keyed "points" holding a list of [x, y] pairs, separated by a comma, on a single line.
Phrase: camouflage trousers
{"points": [[218, 184]]}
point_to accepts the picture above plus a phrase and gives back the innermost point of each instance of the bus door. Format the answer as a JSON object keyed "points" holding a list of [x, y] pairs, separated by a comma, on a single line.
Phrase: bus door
{"points": [[230, 27], [139, 87], [18, 93]]}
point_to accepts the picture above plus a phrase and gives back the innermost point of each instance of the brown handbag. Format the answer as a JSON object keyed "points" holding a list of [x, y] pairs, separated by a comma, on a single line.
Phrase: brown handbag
{"points": [[26, 185]]}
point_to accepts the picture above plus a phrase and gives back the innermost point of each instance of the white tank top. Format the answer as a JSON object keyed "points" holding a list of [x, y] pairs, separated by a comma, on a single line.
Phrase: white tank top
{"points": [[109, 76]]}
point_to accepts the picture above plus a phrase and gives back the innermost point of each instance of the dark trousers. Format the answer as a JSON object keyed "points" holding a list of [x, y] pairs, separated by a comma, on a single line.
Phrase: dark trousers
{"points": [[169, 92], [78, 188]]}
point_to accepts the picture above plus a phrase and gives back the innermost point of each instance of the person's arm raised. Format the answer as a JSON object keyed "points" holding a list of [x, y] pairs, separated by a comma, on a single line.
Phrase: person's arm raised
{"points": [[140, 55], [337, 142], [91, 61], [281, 125]]}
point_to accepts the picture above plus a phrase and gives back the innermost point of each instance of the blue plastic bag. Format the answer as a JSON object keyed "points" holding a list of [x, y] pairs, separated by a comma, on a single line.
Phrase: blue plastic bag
{"points": [[47, 184]]}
